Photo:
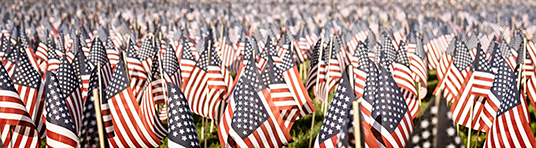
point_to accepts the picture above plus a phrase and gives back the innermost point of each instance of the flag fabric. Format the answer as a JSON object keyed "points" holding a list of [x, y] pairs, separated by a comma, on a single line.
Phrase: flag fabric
{"points": [[402, 77], [61, 131], [15, 116], [138, 75], [334, 130], [89, 135], [295, 84], [70, 88], [391, 123], [153, 89], [510, 128], [187, 61], [27, 81], [419, 71], [128, 125], [360, 62], [146, 53], [280, 93], [171, 68], [98, 54], [312, 71], [182, 132], [111, 52], [82, 69], [251, 101], [435, 128], [202, 99]]}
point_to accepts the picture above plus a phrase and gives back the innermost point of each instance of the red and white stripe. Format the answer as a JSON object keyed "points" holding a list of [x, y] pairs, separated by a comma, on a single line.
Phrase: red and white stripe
{"points": [[138, 75], [75, 105], [298, 91], [130, 128], [58, 136], [511, 129], [21, 136], [148, 112], [399, 136], [198, 95], [402, 77], [12, 110]]}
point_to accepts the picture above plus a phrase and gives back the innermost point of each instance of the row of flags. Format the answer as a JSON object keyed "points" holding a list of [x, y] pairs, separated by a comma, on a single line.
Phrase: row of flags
{"points": [[53, 70]]}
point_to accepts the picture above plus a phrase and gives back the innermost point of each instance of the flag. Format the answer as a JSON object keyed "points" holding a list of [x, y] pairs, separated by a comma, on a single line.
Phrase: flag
{"points": [[402, 77], [146, 53], [360, 63], [82, 69], [153, 89], [15, 116], [205, 98], [27, 81], [61, 131], [138, 75], [435, 128], [187, 61], [419, 71], [111, 52], [89, 134], [334, 128], [280, 93], [391, 123], [53, 60], [295, 84], [182, 131], [171, 67], [99, 54], [510, 127], [312, 71], [70, 88], [128, 125], [251, 101]]}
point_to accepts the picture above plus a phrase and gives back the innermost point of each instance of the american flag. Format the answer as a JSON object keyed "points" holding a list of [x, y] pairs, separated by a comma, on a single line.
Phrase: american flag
{"points": [[15, 116], [269, 51], [301, 46], [70, 88], [187, 61], [370, 86], [433, 51], [98, 54], [494, 101], [360, 63], [28, 84], [171, 67], [510, 127], [41, 52], [89, 135], [4, 46], [146, 53], [111, 52], [131, 130], [228, 53], [281, 96], [82, 69], [334, 130], [53, 60], [11, 57], [182, 132], [251, 101], [391, 123], [312, 72], [138, 75], [419, 71], [402, 77], [531, 83], [28, 52], [61, 131], [154, 88], [457, 72], [435, 123], [295, 84], [203, 100]]}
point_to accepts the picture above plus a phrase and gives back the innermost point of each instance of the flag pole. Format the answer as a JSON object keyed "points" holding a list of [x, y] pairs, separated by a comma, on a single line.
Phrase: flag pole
{"points": [[437, 99], [97, 104], [357, 112], [470, 122], [160, 68]]}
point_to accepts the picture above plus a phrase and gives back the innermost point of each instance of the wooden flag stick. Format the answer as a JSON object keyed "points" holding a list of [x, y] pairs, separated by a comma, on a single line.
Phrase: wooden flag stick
{"points": [[357, 124], [97, 103], [311, 131], [470, 128], [160, 68], [437, 99], [318, 69], [208, 61]]}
